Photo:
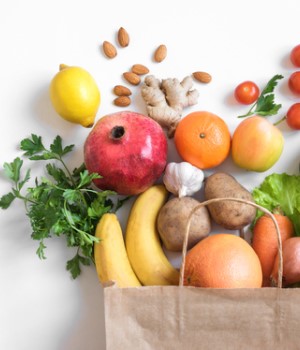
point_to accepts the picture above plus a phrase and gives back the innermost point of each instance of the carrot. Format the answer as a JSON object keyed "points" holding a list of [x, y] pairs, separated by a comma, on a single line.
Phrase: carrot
{"points": [[265, 244]]}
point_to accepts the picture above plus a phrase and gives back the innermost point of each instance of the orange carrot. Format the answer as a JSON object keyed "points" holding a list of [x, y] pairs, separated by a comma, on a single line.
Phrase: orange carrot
{"points": [[265, 244]]}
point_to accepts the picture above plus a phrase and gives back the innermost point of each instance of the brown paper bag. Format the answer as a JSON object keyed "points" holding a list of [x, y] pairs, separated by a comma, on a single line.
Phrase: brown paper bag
{"points": [[188, 318]]}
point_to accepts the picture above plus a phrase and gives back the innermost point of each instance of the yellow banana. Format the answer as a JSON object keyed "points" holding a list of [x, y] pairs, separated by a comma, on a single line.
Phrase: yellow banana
{"points": [[143, 245], [110, 254]]}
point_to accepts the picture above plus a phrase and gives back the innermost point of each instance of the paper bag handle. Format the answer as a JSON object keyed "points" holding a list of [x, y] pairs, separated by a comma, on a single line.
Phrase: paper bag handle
{"points": [[214, 200]]}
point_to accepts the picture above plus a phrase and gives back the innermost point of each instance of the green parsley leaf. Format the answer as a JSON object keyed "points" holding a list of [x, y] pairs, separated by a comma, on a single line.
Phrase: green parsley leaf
{"points": [[72, 196], [35, 149], [6, 200], [86, 178], [56, 147], [73, 265], [32, 146], [98, 208], [58, 175], [40, 251], [12, 170], [265, 104], [272, 83]]}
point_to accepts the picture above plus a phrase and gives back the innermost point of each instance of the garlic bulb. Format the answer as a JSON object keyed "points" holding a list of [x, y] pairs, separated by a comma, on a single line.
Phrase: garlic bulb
{"points": [[183, 179]]}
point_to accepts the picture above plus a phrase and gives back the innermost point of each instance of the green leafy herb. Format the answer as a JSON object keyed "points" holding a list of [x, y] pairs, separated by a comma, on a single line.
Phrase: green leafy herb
{"points": [[265, 104], [280, 191], [61, 204]]}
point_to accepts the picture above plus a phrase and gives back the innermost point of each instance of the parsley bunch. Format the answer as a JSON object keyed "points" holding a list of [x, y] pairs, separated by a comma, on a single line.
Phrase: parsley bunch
{"points": [[63, 204], [265, 104]]}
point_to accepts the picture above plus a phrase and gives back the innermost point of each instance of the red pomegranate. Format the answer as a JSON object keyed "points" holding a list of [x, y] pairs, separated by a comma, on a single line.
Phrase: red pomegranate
{"points": [[128, 149]]}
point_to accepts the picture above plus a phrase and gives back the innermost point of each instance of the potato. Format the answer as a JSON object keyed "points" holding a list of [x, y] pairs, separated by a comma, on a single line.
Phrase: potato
{"points": [[228, 214], [172, 220]]}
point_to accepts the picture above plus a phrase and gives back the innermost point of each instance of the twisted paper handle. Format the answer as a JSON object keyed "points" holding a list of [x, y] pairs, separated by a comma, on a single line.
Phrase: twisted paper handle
{"points": [[210, 201]]}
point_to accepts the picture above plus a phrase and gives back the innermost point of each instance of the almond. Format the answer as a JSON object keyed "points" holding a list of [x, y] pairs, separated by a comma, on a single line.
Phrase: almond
{"points": [[139, 69], [203, 77], [132, 78], [123, 37], [160, 53], [109, 50], [121, 90], [122, 101]]}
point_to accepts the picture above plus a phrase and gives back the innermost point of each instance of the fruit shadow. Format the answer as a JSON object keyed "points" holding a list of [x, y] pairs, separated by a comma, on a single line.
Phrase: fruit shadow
{"points": [[286, 62], [45, 115], [230, 101]]}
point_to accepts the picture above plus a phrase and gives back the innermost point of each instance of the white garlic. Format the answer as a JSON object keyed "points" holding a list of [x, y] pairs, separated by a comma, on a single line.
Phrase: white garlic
{"points": [[183, 179]]}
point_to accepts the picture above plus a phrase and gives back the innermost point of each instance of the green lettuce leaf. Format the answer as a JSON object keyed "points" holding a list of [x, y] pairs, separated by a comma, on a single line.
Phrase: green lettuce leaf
{"points": [[280, 191]]}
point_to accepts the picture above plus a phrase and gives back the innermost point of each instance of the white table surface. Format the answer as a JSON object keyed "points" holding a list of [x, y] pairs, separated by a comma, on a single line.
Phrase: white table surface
{"points": [[40, 306]]}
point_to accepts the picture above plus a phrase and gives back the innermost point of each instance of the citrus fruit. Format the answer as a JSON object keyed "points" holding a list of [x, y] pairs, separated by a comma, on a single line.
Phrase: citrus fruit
{"points": [[222, 261], [75, 95], [202, 139]]}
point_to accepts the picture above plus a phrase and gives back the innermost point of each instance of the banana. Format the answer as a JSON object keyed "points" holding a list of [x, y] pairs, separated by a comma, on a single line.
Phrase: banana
{"points": [[110, 254], [143, 245]]}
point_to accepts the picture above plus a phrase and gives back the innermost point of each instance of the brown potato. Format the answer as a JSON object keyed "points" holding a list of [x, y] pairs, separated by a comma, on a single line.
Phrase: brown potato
{"points": [[228, 214], [172, 221]]}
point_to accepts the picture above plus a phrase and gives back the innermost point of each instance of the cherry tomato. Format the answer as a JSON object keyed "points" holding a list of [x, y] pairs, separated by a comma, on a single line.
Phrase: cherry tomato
{"points": [[294, 82], [295, 56], [293, 116], [246, 92]]}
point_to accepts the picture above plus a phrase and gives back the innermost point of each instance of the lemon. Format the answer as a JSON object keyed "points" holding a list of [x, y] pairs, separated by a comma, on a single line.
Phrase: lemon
{"points": [[75, 95]]}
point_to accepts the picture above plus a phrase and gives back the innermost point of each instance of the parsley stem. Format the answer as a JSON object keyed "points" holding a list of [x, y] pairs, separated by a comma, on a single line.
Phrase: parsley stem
{"points": [[280, 120], [250, 112], [68, 171], [25, 199]]}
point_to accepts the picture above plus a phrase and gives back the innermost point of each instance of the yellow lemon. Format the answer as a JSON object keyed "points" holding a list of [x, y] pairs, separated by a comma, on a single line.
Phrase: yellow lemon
{"points": [[75, 95]]}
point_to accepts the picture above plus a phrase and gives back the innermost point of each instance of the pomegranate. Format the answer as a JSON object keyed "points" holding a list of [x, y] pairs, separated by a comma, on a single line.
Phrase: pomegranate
{"points": [[128, 149]]}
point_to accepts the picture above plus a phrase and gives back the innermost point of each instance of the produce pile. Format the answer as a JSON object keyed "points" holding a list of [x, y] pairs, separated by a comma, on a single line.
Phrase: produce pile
{"points": [[126, 155]]}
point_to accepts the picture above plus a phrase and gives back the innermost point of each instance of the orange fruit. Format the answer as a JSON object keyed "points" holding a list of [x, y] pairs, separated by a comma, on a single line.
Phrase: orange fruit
{"points": [[223, 261], [202, 139]]}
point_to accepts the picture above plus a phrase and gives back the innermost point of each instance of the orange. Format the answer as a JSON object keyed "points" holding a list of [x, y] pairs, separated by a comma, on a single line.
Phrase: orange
{"points": [[202, 139], [223, 261]]}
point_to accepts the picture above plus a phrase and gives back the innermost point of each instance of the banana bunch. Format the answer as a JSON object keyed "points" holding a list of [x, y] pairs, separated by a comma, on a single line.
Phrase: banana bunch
{"points": [[143, 260], [143, 244], [110, 254]]}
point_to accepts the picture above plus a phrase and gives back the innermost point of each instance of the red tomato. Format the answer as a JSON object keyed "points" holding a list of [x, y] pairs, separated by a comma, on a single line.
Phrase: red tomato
{"points": [[295, 56], [294, 82], [293, 116], [246, 92]]}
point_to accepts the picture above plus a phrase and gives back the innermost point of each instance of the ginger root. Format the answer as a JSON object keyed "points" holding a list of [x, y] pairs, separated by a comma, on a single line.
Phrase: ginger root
{"points": [[166, 99]]}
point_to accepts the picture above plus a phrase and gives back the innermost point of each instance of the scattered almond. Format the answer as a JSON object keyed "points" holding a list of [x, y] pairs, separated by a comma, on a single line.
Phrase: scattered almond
{"points": [[121, 90], [160, 53], [139, 69], [203, 77], [123, 37], [109, 49], [122, 101], [132, 78]]}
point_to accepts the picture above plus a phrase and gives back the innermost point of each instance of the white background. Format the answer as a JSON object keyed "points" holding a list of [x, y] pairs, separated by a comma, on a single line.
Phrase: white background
{"points": [[40, 306]]}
